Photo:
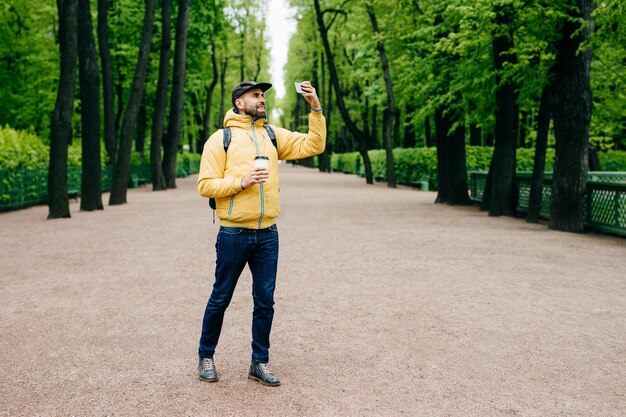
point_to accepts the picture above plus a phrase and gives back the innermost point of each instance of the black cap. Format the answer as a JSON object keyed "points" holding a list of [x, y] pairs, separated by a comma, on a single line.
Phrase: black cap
{"points": [[244, 86]]}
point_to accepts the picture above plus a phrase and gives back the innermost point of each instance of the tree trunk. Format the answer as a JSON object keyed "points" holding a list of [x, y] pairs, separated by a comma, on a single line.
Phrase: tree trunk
{"points": [[110, 135], [119, 92], [594, 161], [160, 103], [456, 166], [328, 151], [197, 113], [91, 184], [541, 144], [428, 137], [177, 100], [503, 186], [486, 200], [441, 132], [410, 138], [220, 120], [61, 120], [121, 170], [242, 62], [391, 107], [142, 124], [209, 100], [451, 164], [374, 129], [572, 115], [361, 136], [489, 139], [475, 135]]}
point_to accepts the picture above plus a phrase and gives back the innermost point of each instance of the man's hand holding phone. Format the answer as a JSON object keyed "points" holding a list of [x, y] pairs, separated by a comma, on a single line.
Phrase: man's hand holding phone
{"points": [[308, 92]]}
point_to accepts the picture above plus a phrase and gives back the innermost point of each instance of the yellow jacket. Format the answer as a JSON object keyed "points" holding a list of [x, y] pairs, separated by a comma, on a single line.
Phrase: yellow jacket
{"points": [[220, 175]]}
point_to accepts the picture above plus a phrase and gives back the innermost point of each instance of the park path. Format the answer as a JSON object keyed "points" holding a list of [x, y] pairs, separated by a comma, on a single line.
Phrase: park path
{"points": [[387, 305]]}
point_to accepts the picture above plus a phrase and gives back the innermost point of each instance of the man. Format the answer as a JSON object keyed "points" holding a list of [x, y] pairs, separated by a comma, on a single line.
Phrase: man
{"points": [[247, 204]]}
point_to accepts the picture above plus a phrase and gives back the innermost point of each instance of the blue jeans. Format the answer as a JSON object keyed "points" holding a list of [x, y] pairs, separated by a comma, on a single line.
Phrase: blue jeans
{"points": [[235, 247]]}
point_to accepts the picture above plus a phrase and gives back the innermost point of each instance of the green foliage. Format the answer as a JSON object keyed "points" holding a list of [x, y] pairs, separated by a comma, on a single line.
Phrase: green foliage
{"points": [[29, 64], [414, 164], [612, 160], [20, 149], [441, 54]]}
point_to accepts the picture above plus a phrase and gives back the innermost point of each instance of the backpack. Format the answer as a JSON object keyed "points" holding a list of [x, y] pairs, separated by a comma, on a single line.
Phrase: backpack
{"points": [[227, 135]]}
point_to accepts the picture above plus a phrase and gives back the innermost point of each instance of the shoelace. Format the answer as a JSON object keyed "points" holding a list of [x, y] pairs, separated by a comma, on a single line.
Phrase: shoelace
{"points": [[208, 364], [264, 368]]}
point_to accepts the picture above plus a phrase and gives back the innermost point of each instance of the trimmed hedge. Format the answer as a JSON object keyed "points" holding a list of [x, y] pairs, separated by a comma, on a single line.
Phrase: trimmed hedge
{"points": [[24, 169], [413, 164]]}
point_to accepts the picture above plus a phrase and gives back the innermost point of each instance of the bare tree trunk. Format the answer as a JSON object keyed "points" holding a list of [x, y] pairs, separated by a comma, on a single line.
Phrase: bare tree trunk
{"points": [[110, 135], [177, 99], [121, 170], [539, 166], [359, 135], [504, 189], [572, 115], [61, 120], [160, 103], [390, 112], [91, 184]]}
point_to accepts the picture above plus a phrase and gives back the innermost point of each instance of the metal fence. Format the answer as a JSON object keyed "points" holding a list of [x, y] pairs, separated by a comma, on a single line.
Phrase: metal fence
{"points": [[23, 187], [605, 200]]}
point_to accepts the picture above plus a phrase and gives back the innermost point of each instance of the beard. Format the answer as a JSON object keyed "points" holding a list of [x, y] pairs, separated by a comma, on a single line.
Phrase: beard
{"points": [[254, 110]]}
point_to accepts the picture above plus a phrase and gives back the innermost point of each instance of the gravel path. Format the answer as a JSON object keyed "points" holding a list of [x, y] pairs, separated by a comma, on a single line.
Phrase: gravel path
{"points": [[386, 305]]}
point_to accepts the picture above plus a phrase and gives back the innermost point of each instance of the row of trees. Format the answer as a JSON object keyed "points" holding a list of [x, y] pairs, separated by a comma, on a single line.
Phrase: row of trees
{"points": [[122, 75], [486, 72]]}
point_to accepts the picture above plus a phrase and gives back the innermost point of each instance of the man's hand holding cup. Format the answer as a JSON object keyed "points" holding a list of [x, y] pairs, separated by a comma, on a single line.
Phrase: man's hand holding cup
{"points": [[258, 174]]}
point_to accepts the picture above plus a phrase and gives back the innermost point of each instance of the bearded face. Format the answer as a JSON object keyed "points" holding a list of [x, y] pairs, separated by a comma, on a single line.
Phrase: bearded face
{"points": [[252, 103]]}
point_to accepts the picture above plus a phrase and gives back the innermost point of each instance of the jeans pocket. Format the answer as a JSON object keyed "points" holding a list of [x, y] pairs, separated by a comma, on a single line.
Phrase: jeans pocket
{"points": [[231, 230], [272, 228]]}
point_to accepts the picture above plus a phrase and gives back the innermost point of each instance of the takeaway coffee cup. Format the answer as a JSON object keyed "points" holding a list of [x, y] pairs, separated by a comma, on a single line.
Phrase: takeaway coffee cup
{"points": [[262, 162]]}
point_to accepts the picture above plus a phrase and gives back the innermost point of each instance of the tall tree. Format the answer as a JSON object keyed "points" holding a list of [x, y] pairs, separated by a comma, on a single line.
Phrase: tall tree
{"points": [[61, 123], [360, 135], [541, 144], [110, 135], [121, 170], [503, 187], [391, 108], [91, 185], [571, 115], [177, 98], [160, 103]]}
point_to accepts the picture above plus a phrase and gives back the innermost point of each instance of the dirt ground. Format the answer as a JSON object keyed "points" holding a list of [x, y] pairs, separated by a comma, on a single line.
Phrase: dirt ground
{"points": [[386, 305]]}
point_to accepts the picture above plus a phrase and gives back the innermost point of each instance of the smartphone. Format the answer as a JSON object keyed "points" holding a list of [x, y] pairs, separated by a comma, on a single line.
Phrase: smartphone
{"points": [[299, 88]]}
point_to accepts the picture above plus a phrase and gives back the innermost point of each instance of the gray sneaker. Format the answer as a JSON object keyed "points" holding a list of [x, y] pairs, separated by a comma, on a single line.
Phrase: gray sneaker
{"points": [[206, 370], [261, 372]]}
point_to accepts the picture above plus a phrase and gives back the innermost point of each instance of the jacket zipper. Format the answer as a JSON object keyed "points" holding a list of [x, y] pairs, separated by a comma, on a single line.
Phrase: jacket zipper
{"points": [[230, 208], [256, 144]]}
